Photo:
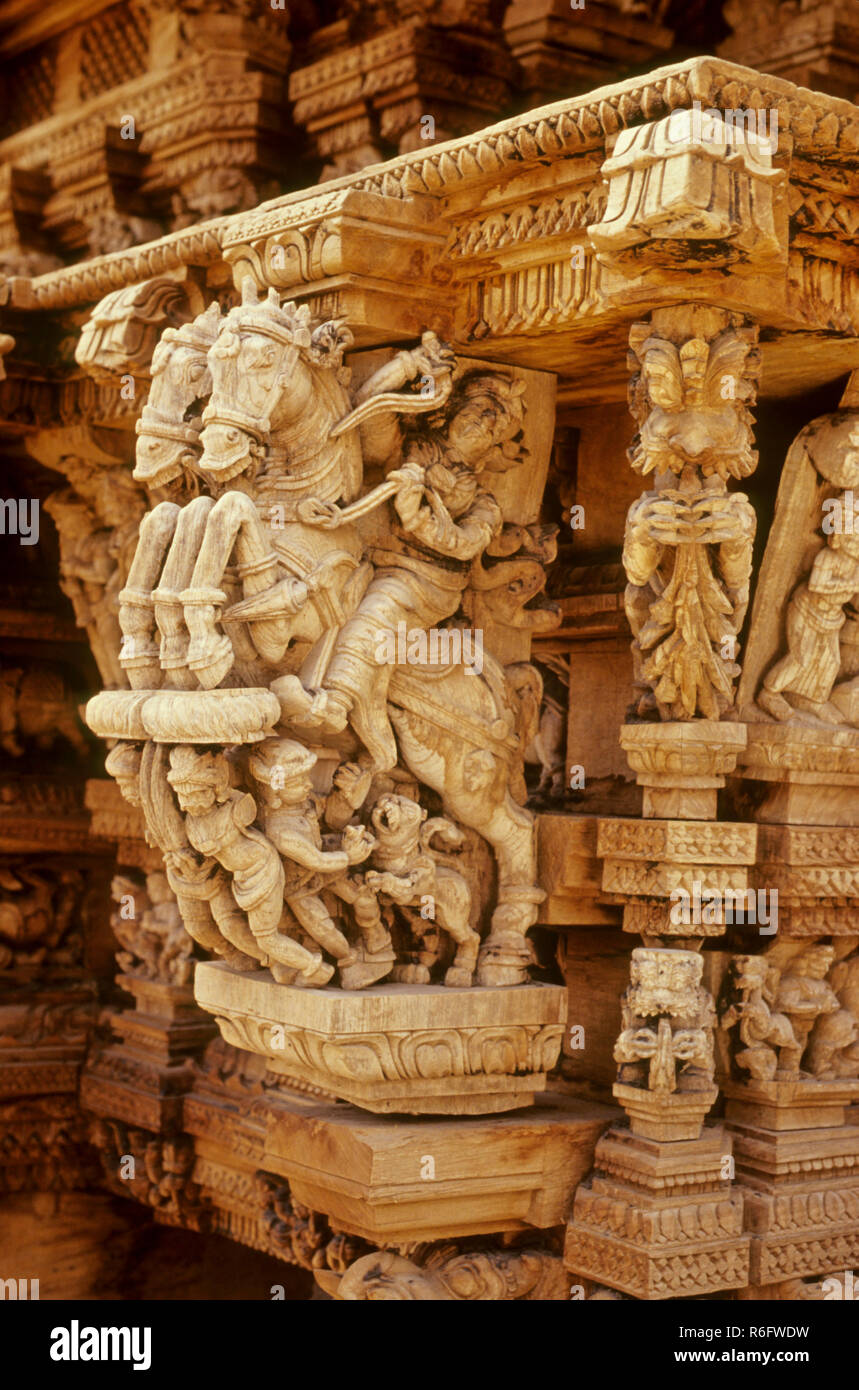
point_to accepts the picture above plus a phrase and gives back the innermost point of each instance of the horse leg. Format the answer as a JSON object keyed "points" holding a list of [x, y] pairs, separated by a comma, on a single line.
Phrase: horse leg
{"points": [[175, 576], [139, 654], [506, 953]]}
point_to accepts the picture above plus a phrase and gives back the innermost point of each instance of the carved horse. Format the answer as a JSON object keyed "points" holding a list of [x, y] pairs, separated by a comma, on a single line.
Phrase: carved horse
{"points": [[281, 441]]}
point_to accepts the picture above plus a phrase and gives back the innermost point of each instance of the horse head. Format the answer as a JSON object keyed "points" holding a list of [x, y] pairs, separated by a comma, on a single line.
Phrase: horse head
{"points": [[168, 431], [265, 377]]}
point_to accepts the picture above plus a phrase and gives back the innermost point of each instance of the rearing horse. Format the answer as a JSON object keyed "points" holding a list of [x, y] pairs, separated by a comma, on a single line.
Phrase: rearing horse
{"points": [[282, 441]]}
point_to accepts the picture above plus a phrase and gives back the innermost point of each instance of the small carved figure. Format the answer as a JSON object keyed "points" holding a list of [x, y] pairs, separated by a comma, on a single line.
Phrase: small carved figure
{"points": [[666, 1019], [833, 1048], [290, 816], [770, 1048], [804, 994], [406, 874], [219, 822], [801, 686], [37, 706], [37, 908], [157, 946]]}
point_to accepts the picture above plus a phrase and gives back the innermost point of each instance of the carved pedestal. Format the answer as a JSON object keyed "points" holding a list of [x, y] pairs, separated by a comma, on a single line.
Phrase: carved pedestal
{"points": [[803, 776], [659, 1220], [682, 766], [143, 1075], [798, 1169], [396, 1048]]}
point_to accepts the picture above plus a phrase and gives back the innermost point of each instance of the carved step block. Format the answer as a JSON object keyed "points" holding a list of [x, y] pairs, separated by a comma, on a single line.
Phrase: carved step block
{"points": [[659, 1220], [806, 1103], [672, 1117], [801, 1195], [682, 766], [393, 1181], [143, 1078], [813, 773], [408, 1049]]}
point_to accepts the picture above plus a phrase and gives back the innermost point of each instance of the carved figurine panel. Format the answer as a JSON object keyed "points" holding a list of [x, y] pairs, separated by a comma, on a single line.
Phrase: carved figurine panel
{"points": [[323, 720]]}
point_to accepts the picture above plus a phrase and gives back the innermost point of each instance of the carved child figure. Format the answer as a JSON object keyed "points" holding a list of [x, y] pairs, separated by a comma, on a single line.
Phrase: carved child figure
{"points": [[667, 1019], [219, 824], [405, 874], [281, 769]]}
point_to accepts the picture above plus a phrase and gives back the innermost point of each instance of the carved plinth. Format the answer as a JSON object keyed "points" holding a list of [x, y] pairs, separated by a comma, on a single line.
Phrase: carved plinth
{"points": [[801, 1197], [654, 1115], [143, 1076], [802, 1104], [681, 766], [659, 1220], [393, 1181], [410, 1049], [810, 775]]}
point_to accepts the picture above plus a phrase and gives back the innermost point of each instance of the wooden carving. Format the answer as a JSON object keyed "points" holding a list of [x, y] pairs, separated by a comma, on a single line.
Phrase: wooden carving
{"points": [[305, 689], [666, 1043], [814, 682], [688, 543], [795, 1012], [313, 610]]}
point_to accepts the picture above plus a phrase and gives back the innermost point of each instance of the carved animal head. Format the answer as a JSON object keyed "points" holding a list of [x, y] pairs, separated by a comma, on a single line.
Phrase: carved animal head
{"points": [[397, 822], [264, 369], [692, 402], [168, 431], [663, 981]]}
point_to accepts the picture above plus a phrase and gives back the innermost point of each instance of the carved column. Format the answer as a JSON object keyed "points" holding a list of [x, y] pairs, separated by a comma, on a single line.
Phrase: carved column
{"points": [[659, 1218], [789, 1014]]}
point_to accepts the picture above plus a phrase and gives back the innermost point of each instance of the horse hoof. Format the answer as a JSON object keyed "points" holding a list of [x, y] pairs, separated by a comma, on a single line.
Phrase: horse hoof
{"points": [[212, 663]]}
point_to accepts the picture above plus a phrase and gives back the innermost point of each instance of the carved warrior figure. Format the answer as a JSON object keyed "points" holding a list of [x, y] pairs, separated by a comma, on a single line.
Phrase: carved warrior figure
{"points": [[666, 1021], [688, 543], [282, 577], [803, 686]]}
